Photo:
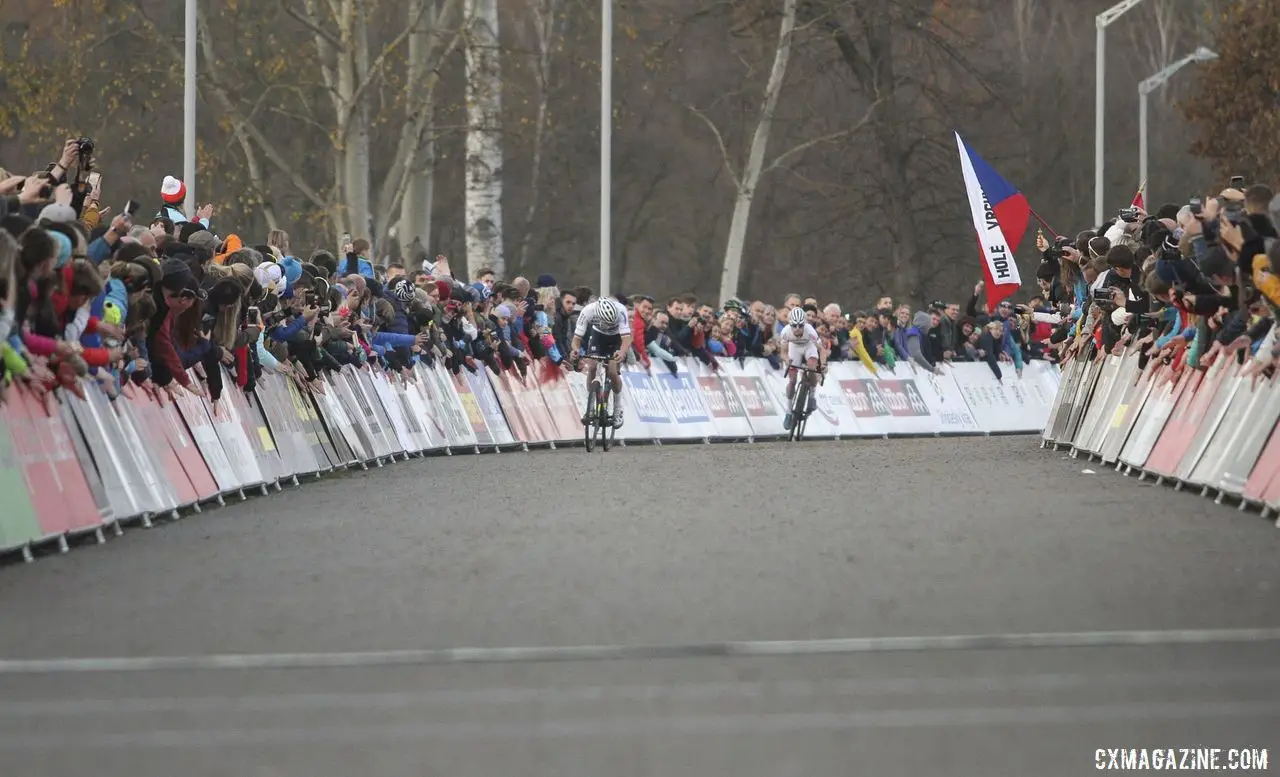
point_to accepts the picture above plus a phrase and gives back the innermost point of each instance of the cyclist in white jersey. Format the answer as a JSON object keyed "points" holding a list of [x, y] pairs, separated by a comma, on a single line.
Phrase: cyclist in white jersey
{"points": [[801, 341], [608, 331]]}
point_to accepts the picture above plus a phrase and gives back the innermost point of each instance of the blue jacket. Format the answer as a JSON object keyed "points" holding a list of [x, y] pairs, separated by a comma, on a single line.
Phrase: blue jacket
{"points": [[363, 267]]}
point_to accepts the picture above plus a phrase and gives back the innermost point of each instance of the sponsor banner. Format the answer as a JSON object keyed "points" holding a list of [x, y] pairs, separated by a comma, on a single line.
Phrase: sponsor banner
{"points": [[1008, 405], [78, 429], [443, 426], [1135, 387], [523, 394], [471, 406], [194, 413], [646, 396], [559, 400], [868, 406], [287, 428], [1216, 392], [55, 482], [825, 421], [1175, 438], [230, 431], [947, 404], [764, 413], [725, 408], [1152, 419], [494, 420], [256, 432], [1251, 441], [18, 522], [1243, 398], [440, 390]]}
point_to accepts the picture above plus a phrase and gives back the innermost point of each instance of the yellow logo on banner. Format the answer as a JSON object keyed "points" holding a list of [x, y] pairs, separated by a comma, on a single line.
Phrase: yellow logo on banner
{"points": [[264, 434], [1118, 417]]}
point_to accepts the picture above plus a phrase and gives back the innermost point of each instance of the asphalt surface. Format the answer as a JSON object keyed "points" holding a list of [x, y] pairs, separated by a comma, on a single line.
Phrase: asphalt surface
{"points": [[649, 546]]}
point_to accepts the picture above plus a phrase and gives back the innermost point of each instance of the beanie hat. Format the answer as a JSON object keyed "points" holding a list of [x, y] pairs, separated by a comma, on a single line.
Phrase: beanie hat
{"points": [[270, 275], [206, 240], [292, 269], [64, 247], [173, 191], [175, 274], [545, 281], [189, 228], [445, 289], [922, 320], [402, 289], [58, 213], [504, 311]]}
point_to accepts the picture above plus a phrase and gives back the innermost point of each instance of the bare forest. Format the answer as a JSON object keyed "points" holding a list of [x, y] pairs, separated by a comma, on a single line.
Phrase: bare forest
{"points": [[321, 116]]}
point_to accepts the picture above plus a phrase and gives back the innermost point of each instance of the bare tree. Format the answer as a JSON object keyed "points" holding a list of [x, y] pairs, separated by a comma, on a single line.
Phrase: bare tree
{"points": [[484, 139]]}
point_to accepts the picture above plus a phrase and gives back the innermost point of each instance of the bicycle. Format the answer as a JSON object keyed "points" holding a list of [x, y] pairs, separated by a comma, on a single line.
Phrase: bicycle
{"points": [[800, 402], [599, 421]]}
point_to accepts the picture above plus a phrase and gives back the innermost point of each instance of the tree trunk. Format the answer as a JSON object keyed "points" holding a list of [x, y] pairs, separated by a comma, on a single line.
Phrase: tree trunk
{"points": [[356, 156], [545, 24], [755, 158], [484, 140], [876, 77], [415, 208]]}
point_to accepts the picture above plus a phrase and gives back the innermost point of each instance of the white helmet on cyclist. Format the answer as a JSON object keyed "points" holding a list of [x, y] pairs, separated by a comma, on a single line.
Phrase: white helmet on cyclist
{"points": [[608, 313], [797, 317]]}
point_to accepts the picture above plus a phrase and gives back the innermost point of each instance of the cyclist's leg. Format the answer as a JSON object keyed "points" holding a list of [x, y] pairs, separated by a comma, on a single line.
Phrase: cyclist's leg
{"points": [[615, 377], [791, 374], [811, 379]]}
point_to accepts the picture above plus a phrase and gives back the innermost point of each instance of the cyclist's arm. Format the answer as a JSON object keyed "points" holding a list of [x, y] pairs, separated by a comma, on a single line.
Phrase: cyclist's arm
{"points": [[624, 348]]}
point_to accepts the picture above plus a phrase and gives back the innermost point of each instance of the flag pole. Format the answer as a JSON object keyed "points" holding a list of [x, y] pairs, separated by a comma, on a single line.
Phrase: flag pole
{"points": [[1043, 223]]}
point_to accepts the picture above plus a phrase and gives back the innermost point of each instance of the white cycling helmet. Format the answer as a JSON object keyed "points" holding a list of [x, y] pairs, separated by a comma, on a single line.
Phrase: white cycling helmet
{"points": [[608, 313], [797, 317]]}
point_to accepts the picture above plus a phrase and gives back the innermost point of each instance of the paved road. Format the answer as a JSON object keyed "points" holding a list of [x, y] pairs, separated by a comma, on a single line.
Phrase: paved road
{"points": [[692, 545]]}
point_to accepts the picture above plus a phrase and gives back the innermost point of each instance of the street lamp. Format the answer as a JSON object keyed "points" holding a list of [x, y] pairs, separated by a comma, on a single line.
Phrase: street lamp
{"points": [[1148, 86], [1103, 20], [606, 141], [189, 112]]}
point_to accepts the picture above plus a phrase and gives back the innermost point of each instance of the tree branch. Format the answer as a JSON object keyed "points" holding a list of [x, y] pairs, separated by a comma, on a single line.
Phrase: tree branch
{"points": [[375, 69], [309, 23], [724, 151], [808, 144]]}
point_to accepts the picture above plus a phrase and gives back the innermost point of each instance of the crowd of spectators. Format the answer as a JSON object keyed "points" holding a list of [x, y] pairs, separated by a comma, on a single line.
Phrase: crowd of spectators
{"points": [[148, 294], [1186, 285]]}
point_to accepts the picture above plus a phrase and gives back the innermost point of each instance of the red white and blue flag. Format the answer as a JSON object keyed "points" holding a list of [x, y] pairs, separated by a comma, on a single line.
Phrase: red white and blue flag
{"points": [[1000, 215]]}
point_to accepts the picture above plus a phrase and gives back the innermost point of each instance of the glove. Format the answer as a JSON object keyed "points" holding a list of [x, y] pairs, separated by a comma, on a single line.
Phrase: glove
{"points": [[674, 367]]}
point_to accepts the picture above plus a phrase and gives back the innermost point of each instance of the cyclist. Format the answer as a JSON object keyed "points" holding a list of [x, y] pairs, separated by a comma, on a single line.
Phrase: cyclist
{"points": [[801, 341], [610, 336]]}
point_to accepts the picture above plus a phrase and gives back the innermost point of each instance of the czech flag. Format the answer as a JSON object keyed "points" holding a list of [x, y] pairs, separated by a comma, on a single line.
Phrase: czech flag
{"points": [[1138, 199], [1000, 215]]}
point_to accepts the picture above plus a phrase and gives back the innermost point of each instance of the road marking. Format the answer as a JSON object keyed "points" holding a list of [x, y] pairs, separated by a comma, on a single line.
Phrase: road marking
{"points": [[510, 655], [630, 727], [743, 690]]}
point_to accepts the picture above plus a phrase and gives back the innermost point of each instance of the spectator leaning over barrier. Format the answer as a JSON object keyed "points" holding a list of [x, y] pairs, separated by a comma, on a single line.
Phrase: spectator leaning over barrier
{"points": [[641, 316]]}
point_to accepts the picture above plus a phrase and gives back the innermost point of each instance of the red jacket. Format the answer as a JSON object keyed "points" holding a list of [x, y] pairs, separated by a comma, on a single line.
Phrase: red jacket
{"points": [[637, 338]]}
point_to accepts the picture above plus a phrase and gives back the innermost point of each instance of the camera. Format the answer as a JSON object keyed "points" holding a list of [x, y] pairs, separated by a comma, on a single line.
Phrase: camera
{"points": [[1103, 299], [1129, 215], [1234, 210], [85, 148], [1197, 207]]}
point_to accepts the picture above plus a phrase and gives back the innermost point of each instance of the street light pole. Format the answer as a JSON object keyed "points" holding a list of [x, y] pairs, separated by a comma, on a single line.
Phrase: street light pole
{"points": [[1103, 21], [189, 113], [606, 142], [1148, 86]]}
